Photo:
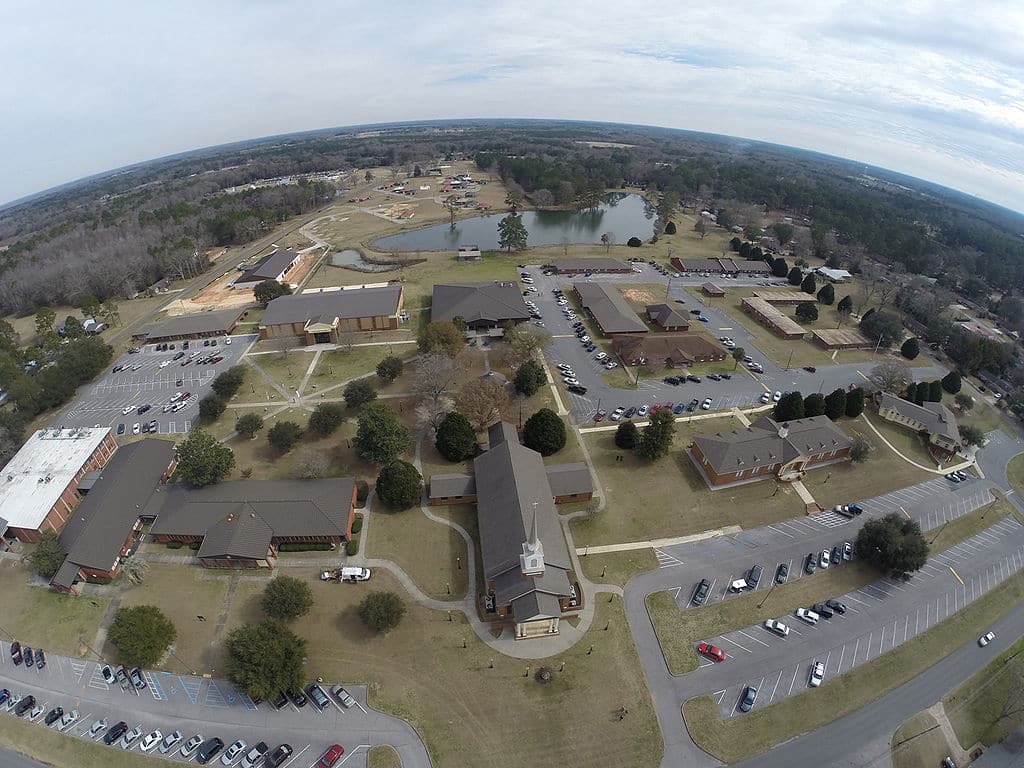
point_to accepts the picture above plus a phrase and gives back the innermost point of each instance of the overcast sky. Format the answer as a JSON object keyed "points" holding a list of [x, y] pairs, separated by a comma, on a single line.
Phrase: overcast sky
{"points": [[932, 89]]}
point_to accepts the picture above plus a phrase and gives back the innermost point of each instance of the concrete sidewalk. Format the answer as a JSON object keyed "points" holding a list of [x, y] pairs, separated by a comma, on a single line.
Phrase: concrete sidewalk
{"points": [[631, 545]]}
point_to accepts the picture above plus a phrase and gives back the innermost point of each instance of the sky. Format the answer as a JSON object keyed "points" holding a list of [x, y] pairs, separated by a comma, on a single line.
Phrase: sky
{"points": [[930, 89]]}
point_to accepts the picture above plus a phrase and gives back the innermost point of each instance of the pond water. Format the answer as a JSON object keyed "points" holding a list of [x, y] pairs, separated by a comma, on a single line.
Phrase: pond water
{"points": [[623, 215], [353, 259]]}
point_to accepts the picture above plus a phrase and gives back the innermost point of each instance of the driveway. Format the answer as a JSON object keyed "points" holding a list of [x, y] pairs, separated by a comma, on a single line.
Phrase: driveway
{"points": [[146, 381], [211, 707], [742, 390]]}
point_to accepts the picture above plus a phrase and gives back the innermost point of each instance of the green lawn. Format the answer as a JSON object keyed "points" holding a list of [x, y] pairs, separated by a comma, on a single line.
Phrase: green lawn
{"points": [[44, 619], [383, 757], [618, 567], [1015, 473], [338, 365], [53, 748], [286, 370], [906, 441], [742, 737], [919, 742], [983, 708]]}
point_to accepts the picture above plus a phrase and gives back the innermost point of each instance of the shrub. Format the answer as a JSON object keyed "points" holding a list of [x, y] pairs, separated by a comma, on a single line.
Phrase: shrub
{"points": [[951, 382], [634, 242], [305, 546], [175, 544], [544, 432], [352, 548], [357, 524], [670, 228]]}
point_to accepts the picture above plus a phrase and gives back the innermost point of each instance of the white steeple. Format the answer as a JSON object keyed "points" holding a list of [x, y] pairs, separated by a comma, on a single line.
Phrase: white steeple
{"points": [[531, 562]]}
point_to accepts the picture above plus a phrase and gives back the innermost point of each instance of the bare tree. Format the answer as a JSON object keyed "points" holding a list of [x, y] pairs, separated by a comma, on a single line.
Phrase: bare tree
{"points": [[346, 339], [1013, 704], [310, 464], [608, 240], [481, 402], [431, 412], [523, 341], [891, 377], [435, 378]]}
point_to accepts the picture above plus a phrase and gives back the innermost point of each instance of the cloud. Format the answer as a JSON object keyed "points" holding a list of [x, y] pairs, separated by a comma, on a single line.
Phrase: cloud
{"points": [[933, 89]]}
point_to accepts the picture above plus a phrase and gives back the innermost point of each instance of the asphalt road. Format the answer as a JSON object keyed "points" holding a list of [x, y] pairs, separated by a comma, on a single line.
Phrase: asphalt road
{"points": [[210, 707], [103, 400], [742, 390], [10, 759]]}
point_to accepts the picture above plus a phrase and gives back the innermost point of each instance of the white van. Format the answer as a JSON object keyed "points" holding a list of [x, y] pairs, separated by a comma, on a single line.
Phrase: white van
{"points": [[355, 574], [738, 586]]}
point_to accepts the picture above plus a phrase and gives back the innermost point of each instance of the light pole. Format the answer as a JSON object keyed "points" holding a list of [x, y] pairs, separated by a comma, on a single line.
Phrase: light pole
{"points": [[765, 600]]}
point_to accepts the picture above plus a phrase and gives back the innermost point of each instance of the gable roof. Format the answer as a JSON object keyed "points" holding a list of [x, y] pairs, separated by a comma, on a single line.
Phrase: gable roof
{"points": [[219, 321], [99, 526], [327, 306], [609, 309], [452, 485], [677, 347], [270, 267], [666, 316], [240, 533], [570, 479], [590, 264], [767, 442], [936, 417], [475, 302]]}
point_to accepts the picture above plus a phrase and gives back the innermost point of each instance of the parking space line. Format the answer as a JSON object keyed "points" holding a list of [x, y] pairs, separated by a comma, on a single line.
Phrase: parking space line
{"points": [[730, 640], [854, 599], [867, 653], [770, 700], [756, 640], [894, 623], [793, 682]]}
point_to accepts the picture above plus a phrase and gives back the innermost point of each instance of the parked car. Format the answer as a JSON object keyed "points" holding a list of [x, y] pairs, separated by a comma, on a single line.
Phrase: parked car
{"points": [[810, 566], [296, 698], [150, 740], [823, 559], [115, 733], [136, 677], [69, 719], [817, 674], [169, 742], [823, 610], [706, 405], [344, 697], [857, 509], [278, 755], [618, 413], [331, 756], [178, 356], [643, 410], [254, 756], [131, 737], [144, 407], [98, 726], [777, 396], [810, 369], [700, 595], [807, 615], [236, 748], [317, 696], [781, 573], [577, 389], [40, 658], [16, 653], [692, 405], [191, 745], [679, 408], [776, 626], [713, 652], [754, 575], [987, 638], [748, 698], [837, 555], [714, 377], [26, 655], [136, 428], [53, 715], [694, 379], [209, 750], [835, 605]]}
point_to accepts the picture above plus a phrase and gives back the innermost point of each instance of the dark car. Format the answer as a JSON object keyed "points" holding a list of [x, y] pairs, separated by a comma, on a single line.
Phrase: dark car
{"points": [[297, 698], [673, 380], [823, 610], [781, 573], [695, 311], [178, 356], [754, 577], [810, 369], [317, 696], [810, 564], [115, 733], [837, 556], [184, 345], [209, 750], [701, 593], [25, 705], [748, 698], [281, 700], [835, 605], [856, 509], [53, 715], [577, 389], [278, 755], [694, 379], [16, 653], [144, 408], [692, 405], [40, 658], [714, 377], [120, 429], [26, 655], [679, 408], [725, 375], [5, 696]]}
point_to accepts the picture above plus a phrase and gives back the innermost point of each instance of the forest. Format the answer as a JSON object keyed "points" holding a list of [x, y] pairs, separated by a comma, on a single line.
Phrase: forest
{"points": [[110, 236]]}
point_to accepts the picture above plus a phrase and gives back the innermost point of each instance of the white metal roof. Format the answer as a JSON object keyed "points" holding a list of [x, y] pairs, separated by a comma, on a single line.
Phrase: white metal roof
{"points": [[34, 479]]}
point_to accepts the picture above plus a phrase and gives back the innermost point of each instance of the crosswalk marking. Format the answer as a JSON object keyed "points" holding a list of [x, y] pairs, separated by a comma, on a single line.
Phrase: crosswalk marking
{"points": [[665, 560]]}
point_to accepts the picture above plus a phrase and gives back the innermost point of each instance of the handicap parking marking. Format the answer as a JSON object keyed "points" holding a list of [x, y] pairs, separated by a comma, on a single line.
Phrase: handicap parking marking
{"points": [[190, 687], [214, 697], [78, 669], [154, 686]]}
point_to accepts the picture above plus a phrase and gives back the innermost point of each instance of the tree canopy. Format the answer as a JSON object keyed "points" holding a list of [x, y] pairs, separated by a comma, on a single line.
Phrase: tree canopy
{"points": [[827, 294], [529, 378], [523, 341], [814, 405], [359, 392], [809, 284], [399, 485], [286, 598], [656, 438], [883, 327], [269, 290], [911, 348], [481, 401], [211, 407], [380, 436], [456, 438], [807, 310], [795, 276], [326, 418], [845, 305], [381, 611], [227, 383], [441, 336], [284, 435], [835, 404], [626, 436], [390, 368], [265, 659], [779, 267], [249, 424], [202, 460], [789, 407], [893, 544], [951, 382], [512, 234], [48, 556], [544, 432], [141, 634]]}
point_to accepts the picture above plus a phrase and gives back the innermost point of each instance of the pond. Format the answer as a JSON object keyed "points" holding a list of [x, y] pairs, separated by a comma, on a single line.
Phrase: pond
{"points": [[353, 259], [622, 215]]}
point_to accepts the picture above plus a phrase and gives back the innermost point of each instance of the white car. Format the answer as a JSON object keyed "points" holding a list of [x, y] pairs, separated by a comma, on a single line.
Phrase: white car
{"points": [[165, 363], [568, 373], [36, 711], [69, 719], [228, 341], [254, 756], [643, 410], [191, 745], [611, 364], [169, 742], [563, 366], [776, 626], [601, 356], [987, 638], [706, 405], [178, 406], [232, 752], [136, 428], [824, 560], [766, 397], [572, 382], [149, 743], [127, 409], [777, 396], [130, 737], [617, 413], [98, 727], [805, 614], [817, 674], [584, 338], [174, 397]]}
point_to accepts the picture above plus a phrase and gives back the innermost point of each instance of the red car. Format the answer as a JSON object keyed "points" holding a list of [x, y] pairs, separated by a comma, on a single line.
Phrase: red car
{"points": [[331, 756], [713, 652], [216, 360], [669, 406], [186, 361], [599, 416]]}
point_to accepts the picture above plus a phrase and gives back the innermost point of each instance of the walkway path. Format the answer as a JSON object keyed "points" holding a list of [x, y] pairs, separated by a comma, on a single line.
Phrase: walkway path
{"points": [[894, 449], [653, 543], [803, 493]]}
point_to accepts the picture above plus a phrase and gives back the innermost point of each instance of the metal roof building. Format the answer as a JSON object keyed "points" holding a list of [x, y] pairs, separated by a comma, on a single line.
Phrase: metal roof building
{"points": [[220, 322], [608, 308]]}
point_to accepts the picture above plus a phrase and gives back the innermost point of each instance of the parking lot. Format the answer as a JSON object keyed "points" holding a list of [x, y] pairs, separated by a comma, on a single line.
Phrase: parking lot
{"points": [[878, 618], [145, 379], [203, 705]]}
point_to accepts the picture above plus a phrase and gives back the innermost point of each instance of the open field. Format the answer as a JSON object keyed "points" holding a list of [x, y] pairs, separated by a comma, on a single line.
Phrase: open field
{"points": [[434, 555], [741, 737], [129, 311], [182, 593], [1015, 473], [976, 708], [338, 365], [43, 619], [919, 742], [383, 757], [679, 631], [669, 498], [618, 567]]}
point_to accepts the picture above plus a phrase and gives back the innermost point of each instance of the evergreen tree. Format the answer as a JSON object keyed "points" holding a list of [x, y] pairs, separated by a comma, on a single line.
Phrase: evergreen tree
{"points": [[855, 402], [795, 276], [399, 485], [789, 408], [656, 438], [809, 284], [935, 391], [845, 305], [835, 404], [544, 432], [202, 460], [910, 348], [456, 439], [627, 436], [814, 405], [951, 382], [529, 378], [779, 267], [827, 294]]}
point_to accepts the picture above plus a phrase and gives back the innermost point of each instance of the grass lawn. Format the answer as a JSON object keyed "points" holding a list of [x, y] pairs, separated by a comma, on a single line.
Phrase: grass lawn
{"points": [[679, 631], [338, 365], [906, 441], [975, 708], [52, 748], [254, 388], [425, 550], [182, 593], [982, 415], [1015, 473], [618, 567], [742, 737], [467, 711], [919, 742], [41, 618], [286, 370], [383, 757]]}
